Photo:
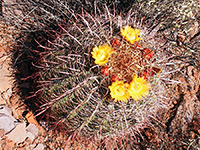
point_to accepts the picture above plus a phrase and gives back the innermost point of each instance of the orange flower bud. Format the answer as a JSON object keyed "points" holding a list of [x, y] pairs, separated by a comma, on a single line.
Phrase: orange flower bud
{"points": [[150, 72], [105, 71], [148, 53], [115, 42], [144, 74], [114, 78], [138, 45]]}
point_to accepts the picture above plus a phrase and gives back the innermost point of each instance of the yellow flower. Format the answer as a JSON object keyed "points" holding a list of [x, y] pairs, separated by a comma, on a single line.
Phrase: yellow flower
{"points": [[138, 88], [130, 34], [118, 91], [101, 54]]}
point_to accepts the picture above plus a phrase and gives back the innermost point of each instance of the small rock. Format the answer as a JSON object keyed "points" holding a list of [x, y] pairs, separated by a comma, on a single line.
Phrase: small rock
{"points": [[5, 110], [18, 134], [30, 136], [6, 123], [31, 119], [39, 147], [32, 129]]}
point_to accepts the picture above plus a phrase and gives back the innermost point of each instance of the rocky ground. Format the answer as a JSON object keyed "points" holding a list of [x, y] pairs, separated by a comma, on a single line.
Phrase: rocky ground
{"points": [[15, 128]]}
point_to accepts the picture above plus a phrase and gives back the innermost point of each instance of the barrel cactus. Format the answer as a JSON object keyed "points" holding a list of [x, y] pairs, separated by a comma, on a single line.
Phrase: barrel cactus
{"points": [[101, 77]]}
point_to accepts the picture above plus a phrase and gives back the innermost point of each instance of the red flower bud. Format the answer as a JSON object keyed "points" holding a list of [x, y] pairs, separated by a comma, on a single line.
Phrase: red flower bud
{"points": [[144, 74], [105, 71], [114, 78], [115, 42], [138, 45], [150, 72], [148, 53]]}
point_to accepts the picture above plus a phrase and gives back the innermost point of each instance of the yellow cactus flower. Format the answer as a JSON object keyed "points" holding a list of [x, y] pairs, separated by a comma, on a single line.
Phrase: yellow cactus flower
{"points": [[130, 34], [101, 54], [118, 91], [138, 88]]}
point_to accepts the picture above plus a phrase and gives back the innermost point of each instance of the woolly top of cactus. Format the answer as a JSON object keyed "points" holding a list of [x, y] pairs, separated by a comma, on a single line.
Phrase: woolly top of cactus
{"points": [[125, 60]]}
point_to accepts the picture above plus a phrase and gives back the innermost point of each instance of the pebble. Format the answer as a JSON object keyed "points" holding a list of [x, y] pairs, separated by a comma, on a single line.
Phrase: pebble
{"points": [[30, 136], [14, 130], [18, 134], [32, 129], [7, 111], [7, 121], [21, 133]]}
